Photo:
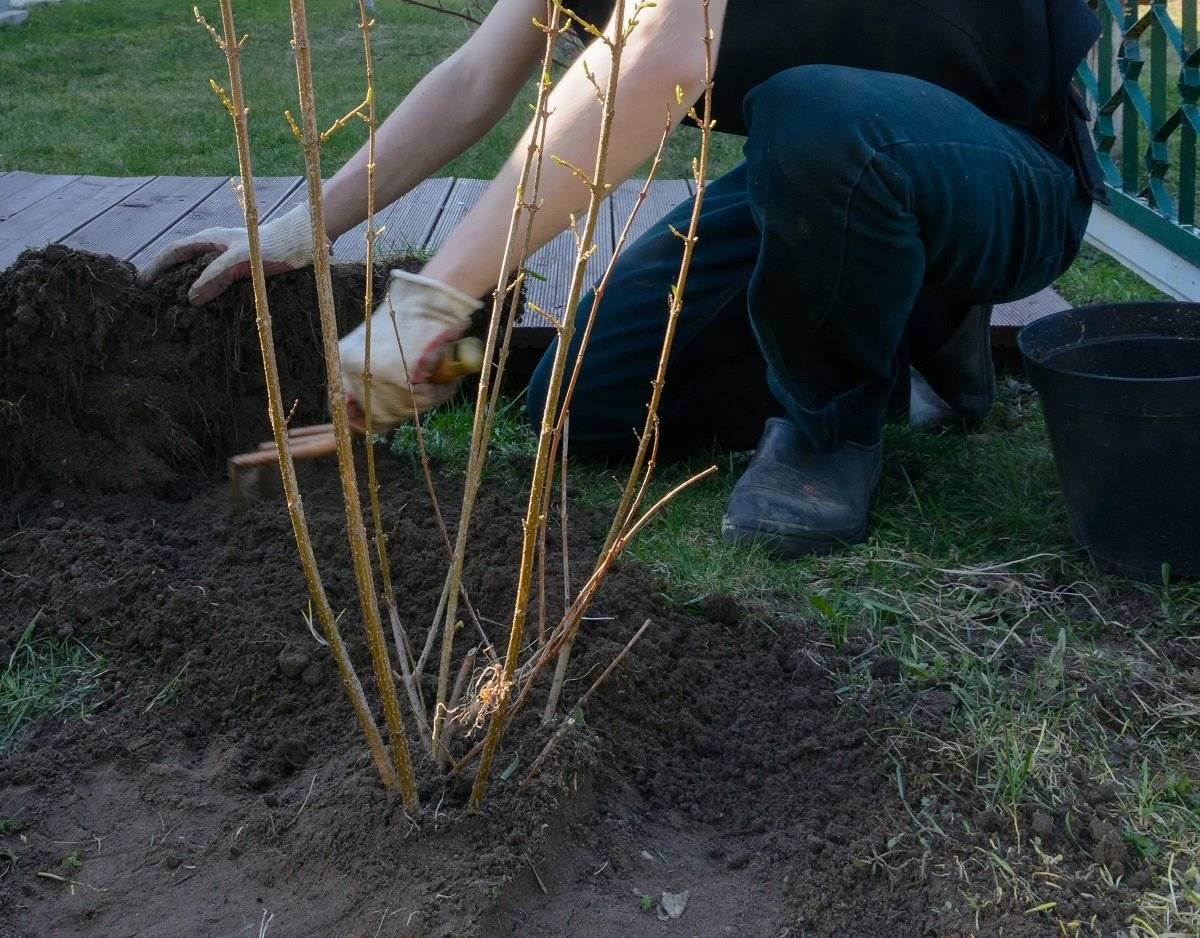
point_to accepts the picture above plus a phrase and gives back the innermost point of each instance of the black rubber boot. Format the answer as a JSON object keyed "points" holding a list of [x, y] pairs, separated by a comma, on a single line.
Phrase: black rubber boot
{"points": [[796, 502], [955, 387]]}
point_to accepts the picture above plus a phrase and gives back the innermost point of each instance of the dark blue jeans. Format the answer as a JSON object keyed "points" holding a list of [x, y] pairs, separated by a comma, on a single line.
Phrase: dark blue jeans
{"points": [[871, 211]]}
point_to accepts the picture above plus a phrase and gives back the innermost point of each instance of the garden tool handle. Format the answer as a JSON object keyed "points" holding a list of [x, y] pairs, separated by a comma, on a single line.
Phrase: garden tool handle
{"points": [[464, 357]]}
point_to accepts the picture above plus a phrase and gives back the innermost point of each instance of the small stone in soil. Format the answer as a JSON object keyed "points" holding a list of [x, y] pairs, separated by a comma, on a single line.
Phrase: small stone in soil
{"points": [[293, 660], [672, 905], [313, 674]]}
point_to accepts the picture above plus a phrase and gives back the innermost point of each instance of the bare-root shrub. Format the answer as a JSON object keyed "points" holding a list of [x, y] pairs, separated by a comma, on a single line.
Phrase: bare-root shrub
{"points": [[488, 691]]}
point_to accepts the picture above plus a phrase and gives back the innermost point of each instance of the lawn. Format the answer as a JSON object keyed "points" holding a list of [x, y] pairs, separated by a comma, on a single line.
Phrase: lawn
{"points": [[122, 89]]}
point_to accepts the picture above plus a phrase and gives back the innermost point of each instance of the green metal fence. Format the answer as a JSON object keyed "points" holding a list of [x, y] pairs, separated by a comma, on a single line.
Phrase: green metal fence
{"points": [[1143, 81]]}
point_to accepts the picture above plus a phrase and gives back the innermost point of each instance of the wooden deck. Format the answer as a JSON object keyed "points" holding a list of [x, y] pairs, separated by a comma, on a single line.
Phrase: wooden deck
{"points": [[134, 217]]}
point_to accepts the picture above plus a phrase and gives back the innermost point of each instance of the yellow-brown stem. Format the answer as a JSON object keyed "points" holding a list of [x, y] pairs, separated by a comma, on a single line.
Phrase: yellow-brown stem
{"points": [[356, 531], [624, 506], [574, 616], [481, 424], [560, 429], [599, 190], [385, 574], [295, 505], [627, 506]]}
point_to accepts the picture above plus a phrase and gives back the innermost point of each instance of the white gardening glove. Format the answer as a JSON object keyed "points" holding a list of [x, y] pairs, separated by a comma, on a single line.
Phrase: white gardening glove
{"points": [[429, 315], [286, 241]]}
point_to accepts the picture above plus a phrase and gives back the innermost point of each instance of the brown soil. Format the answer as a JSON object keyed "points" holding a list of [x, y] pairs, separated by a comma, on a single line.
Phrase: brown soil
{"points": [[94, 368], [221, 781]]}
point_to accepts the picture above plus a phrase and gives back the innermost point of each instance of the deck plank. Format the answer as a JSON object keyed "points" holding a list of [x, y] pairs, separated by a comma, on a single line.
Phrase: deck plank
{"points": [[555, 262], [220, 209], [138, 219], [19, 190], [60, 214], [463, 195], [406, 224], [1010, 318], [296, 196], [663, 195], [555, 259]]}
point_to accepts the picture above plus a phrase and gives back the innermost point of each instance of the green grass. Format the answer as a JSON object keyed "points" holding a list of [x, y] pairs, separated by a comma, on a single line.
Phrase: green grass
{"points": [[1097, 278], [122, 89], [45, 677]]}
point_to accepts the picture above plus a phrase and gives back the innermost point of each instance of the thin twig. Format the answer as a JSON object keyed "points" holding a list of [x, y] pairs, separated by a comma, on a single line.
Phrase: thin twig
{"points": [[569, 721], [427, 471], [598, 191], [480, 428], [465, 670], [466, 17], [637, 484], [356, 531], [572, 619], [621, 516], [385, 574], [404, 653]]}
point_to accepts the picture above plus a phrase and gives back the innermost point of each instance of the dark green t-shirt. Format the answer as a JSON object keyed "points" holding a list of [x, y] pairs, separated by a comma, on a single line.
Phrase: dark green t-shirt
{"points": [[1014, 59]]}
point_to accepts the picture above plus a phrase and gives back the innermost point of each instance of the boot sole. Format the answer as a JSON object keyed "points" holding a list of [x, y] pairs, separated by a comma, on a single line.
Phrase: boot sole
{"points": [[789, 546]]}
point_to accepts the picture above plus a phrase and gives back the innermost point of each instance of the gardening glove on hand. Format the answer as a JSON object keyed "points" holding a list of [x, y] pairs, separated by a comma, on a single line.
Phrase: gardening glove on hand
{"points": [[429, 315], [287, 244]]}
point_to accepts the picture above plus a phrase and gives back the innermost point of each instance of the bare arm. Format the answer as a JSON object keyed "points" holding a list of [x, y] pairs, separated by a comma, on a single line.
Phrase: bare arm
{"points": [[665, 50], [449, 110]]}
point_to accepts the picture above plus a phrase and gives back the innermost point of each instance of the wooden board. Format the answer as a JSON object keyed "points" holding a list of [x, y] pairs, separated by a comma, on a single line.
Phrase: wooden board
{"points": [[663, 195], [555, 262], [19, 190], [128, 226], [1010, 318], [221, 209], [404, 226], [462, 196], [136, 217], [63, 212]]}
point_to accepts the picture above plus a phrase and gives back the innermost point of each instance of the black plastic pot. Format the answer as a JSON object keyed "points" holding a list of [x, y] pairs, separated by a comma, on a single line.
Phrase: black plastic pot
{"points": [[1120, 388]]}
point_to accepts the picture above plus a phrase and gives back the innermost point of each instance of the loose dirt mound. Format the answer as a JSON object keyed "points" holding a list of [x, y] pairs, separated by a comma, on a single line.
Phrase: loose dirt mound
{"points": [[94, 369], [222, 780]]}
